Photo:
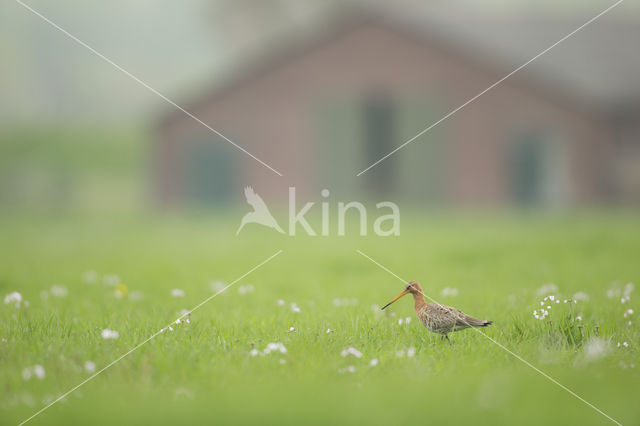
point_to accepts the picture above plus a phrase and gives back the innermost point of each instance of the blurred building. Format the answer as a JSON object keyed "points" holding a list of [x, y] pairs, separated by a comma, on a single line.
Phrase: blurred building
{"points": [[323, 106]]}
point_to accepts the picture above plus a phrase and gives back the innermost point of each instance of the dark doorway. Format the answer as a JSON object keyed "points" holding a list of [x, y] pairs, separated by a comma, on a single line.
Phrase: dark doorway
{"points": [[527, 168], [378, 130], [208, 172]]}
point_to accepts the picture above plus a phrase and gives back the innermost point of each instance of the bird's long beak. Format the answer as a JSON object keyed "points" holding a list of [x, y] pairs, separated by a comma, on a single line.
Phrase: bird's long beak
{"points": [[404, 292]]}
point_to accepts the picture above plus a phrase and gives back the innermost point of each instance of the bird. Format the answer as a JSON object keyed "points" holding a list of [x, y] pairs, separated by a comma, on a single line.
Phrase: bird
{"points": [[260, 213], [437, 318]]}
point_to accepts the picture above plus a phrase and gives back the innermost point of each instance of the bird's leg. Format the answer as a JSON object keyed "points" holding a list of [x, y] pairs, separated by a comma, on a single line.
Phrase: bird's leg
{"points": [[447, 337]]}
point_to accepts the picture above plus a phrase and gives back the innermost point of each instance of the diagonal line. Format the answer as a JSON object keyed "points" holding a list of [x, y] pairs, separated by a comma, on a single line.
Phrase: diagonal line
{"points": [[491, 87], [100, 55], [88, 379], [551, 379]]}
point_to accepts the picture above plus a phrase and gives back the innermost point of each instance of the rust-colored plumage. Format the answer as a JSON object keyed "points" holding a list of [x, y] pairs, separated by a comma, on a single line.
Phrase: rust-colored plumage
{"points": [[438, 318]]}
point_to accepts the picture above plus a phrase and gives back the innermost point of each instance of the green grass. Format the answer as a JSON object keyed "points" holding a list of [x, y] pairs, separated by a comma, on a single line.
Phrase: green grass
{"points": [[203, 372]]}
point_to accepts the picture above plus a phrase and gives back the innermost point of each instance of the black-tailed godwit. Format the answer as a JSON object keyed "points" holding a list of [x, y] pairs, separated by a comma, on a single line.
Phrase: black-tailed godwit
{"points": [[438, 318]]}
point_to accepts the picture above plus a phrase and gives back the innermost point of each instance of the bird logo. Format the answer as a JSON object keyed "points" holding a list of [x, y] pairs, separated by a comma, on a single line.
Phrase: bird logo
{"points": [[260, 213]]}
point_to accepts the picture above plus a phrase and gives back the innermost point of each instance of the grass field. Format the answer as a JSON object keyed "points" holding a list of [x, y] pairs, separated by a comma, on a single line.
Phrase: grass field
{"points": [[204, 371]]}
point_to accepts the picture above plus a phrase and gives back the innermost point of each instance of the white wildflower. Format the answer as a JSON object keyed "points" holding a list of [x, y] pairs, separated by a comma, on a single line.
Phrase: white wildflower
{"points": [[329, 330], [14, 298], [280, 302], [400, 321], [546, 289], [411, 352], [244, 289], [407, 320], [109, 334], [90, 277], [89, 366], [351, 351], [595, 348], [345, 302], [34, 371], [111, 280], [38, 371], [373, 362], [581, 295], [540, 314], [26, 373], [275, 347], [349, 369], [628, 288], [292, 329], [578, 318], [613, 293], [176, 292], [295, 308], [400, 353], [183, 393], [59, 291], [136, 295], [449, 292], [254, 352], [217, 286]]}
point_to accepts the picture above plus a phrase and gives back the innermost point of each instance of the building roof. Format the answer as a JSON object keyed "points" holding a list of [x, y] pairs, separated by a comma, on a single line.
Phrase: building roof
{"points": [[598, 66]]}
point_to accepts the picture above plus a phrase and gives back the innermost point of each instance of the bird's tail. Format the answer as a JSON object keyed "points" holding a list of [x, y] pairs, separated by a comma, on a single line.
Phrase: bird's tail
{"points": [[474, 322]]}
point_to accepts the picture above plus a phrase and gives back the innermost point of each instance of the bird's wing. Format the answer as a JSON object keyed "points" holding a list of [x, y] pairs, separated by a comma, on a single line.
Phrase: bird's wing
{"points": [[463, 320], [254, 199], [452, 315]]}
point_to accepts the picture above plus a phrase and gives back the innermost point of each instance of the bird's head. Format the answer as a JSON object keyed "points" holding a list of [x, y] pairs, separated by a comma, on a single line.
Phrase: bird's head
{"points": [[412, 287]]}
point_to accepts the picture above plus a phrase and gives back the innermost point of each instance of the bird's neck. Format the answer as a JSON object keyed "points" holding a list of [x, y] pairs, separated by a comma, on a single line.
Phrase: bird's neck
{"points": [[418, 301]]}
